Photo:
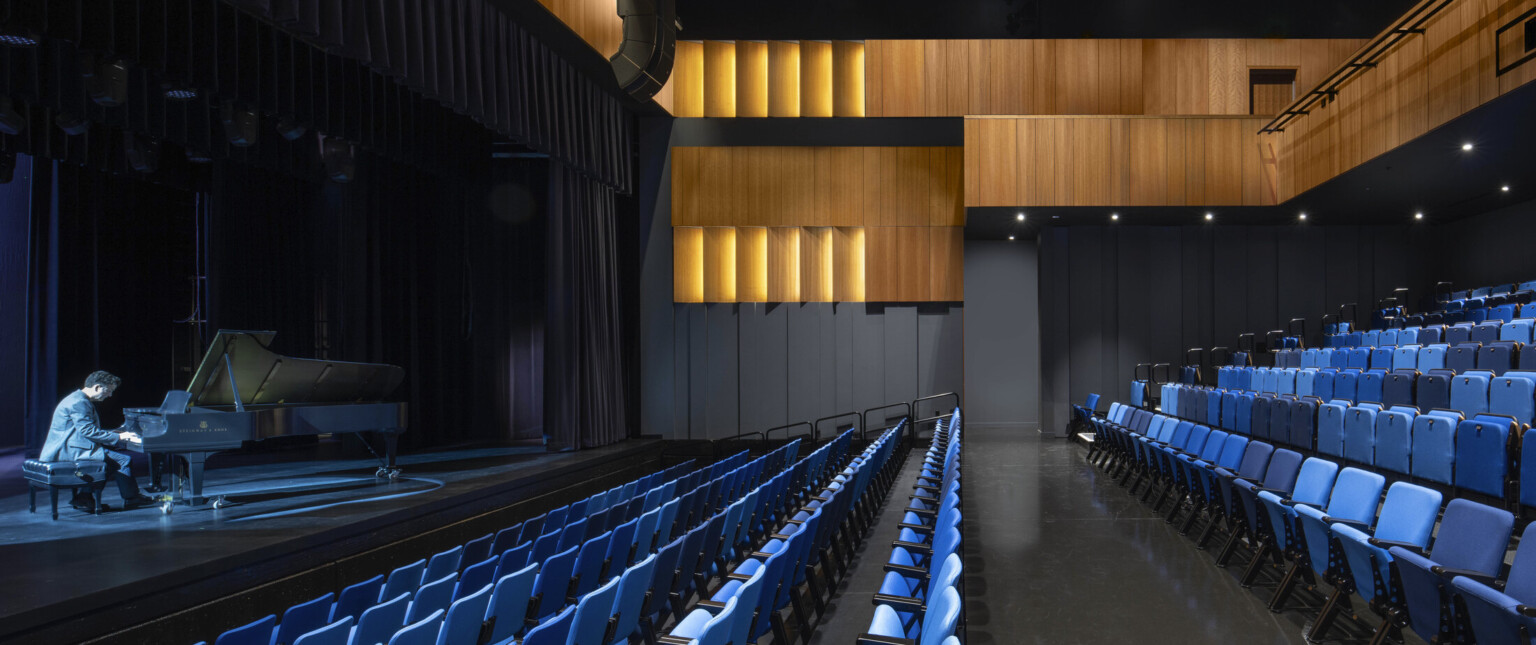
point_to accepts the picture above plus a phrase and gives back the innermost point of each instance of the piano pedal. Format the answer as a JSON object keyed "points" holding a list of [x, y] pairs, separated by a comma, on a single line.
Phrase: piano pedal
{"points": [[391, 474]]}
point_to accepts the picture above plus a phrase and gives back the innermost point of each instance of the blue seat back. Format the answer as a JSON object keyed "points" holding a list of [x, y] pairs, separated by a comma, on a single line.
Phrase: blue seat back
{"points": [[1394, 439], [1434, 445], [1303, 424], [1322, 384], [1305, 379], [1280, 419], [356, 598], [422, 632], [1516, 331], [444, 563], [475, 576], [1381, 358], [1408, 514], [590, 624], [433, 596], [555, 631], [1259, 422], [1408, 336], [465, 618], [257, 632], [553, 581], [1360, 435], [1497, 357], [1482, 453], [621, 545], [1486, 332], [1433, 391], [406, 579], [1330, 427], [1345, 385], [630, 600], [335, 633], [1398, 387], [1513, 394], [1469, 393], [381, 621], [1462, 357], [1370, 386], [1355, 495], [1432, 357], [1242, 418]]}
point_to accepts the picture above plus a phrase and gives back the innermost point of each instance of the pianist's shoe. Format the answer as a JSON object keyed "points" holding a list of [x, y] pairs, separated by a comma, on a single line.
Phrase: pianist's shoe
{"points": [[140, 501], [88, 505]]}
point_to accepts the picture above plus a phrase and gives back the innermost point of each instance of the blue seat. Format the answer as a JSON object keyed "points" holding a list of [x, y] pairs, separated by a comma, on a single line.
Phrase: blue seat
{"points": [[1360, 434], [1305, 381], [555, 631], [510, 600], [443, 564], [573, 535], [336, 633], [1322, 384], [1497, 357], [1432, 357], [1369, 388], [629, 601], [1346, 386], [1485, 332], [1314, 485], [1386, 338], [1458, 334], [431, 597], [478, 549], [305, 617], [1462, 357], [1528, 310], [1431, 334], [1285, 381], [406, 579], [1513, 394], [1354, 498], [257, 632], [1471, 542], [1242, 416], [1405, 358], [1394, 439], [475, 576], [549, 590], [381, 621], [1516, 331], [1258, 424], [588, 573], [593, 612], [422, 632], [1330, 427], [1397, 388], [514, 558], [465, 618], [1248, 514], [1370, 338], [1280, 419], [1407, 518], [1434, 445], [937, 625], [1302, 432], [645, 533], [1433, 390], [1482, 454], [1359, 358], [1469, 393], [1494, 614], [708, 629], [1381, 358], [357, 598], [1408, 336]]}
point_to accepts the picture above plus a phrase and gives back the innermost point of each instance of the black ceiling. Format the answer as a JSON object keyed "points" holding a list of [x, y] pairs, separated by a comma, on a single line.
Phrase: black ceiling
{"points": [[861, 19], [1430, 174]]}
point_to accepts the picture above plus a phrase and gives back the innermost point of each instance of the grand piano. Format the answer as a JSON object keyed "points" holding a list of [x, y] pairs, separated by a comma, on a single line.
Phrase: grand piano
{"points": [[243, 391]]}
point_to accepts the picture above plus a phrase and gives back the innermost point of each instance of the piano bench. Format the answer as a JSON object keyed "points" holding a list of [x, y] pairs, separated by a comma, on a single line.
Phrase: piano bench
{"points": [[54, 475]]}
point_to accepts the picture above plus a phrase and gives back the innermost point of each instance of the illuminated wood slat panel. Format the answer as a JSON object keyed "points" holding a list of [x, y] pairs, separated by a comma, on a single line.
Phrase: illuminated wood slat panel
{"points": [[1115, 161], [687, 264], [847, 78], [751, 78], [751, 264], [815, 78], [596, 21], [719, 78], [719, 264], [946, 262], [688, 80], [1080, 76], [816, 264], [818, 186], [1422, 82], [783, 78], [848, 264], [784, 264]]}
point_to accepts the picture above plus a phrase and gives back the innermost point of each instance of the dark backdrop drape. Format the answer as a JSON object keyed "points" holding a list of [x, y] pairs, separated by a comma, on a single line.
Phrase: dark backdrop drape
{"points": [[586, 367]]}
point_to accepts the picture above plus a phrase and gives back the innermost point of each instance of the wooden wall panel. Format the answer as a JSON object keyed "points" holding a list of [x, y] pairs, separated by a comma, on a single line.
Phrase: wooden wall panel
{"points": [[751, 78], [1115, 161], [1080, 76], [815, 78], [688, 79], [847, 78], [596, 21], [848, 264], [816, 264], [687, 264], [1421, 82], [1513, 44], [882, 261], [783, 78], [946, 263], [719, 78], [719, 264], [784, 264], [751, 264]]}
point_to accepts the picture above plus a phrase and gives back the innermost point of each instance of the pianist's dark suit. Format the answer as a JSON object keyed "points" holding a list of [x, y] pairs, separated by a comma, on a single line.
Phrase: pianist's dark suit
{"points": [[76, 434]]}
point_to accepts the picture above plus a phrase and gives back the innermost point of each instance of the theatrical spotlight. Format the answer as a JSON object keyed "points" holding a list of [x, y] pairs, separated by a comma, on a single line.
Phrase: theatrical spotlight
{"points": [[72, 125], [143, 152], [105, 81], [239, 124], [290, 129], [11, 122], [339, 163]]}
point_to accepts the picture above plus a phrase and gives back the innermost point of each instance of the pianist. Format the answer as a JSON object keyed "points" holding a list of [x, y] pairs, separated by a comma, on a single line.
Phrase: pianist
{"points": [[76, 434]]}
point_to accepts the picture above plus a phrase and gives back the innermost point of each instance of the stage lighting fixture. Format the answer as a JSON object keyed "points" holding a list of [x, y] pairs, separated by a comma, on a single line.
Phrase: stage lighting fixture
{"points": [[1466, 147], [11, 122], [105, 81], [1418, 216], [7, 166], [1302, 217], [1504, 188], [1210, 216], [239, 124], [1114, 217], [143, 152], [340, 165], [1020, 217], [71, 125], [198, 156], [291, 130], [1010, 238]]}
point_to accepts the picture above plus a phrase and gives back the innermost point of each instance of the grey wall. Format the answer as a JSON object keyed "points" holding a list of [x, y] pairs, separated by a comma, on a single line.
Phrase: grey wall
{"points": [[714, 370], [1496, 247], [1002, 334], [1115, 296]]}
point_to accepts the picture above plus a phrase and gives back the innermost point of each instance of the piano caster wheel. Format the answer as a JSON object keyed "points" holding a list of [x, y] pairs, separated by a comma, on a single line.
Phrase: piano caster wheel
{"points": [[391, 474], [220, 502], [166, 508]]}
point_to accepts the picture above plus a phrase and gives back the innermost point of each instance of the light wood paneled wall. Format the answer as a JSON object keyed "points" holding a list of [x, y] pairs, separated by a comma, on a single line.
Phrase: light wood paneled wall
{"points": [[595, 21], [1422, 82], [817, 186], [1082, 76], [818, 264], [1115, 161]]}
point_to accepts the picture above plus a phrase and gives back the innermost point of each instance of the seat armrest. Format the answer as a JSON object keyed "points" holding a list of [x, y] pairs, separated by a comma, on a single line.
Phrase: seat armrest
{"points": [[907, 571], [1479, 576], [1387, 544], [923, 512], [900, 603], [1250, 480], [714, 608], [1282, 493], [916, 528], [669, 639], [1328, 519], [916, 547]]}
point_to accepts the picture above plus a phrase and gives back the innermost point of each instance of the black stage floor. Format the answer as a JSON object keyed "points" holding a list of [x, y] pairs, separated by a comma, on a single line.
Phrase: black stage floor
{"points": [[313, 522]]}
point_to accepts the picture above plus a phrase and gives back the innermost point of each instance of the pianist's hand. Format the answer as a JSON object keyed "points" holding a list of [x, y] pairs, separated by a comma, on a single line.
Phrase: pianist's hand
{"points": [[129, 437]]}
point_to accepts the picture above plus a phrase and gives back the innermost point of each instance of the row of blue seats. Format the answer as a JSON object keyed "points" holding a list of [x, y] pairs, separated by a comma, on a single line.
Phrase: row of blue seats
{"points": [[1334, 527], [810, 550], [919, 601], [1512, 327], [594, 531], [1483, 452], [1470, 392], [1492, 355]]}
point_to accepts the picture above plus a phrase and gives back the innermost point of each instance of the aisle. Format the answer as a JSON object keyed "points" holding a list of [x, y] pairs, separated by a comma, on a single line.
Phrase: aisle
{"points": [[1058, 553]]}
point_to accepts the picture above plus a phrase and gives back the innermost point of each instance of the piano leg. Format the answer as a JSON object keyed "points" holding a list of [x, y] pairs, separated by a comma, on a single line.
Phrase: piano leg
{"points": [[195, 476], [389, 471]]}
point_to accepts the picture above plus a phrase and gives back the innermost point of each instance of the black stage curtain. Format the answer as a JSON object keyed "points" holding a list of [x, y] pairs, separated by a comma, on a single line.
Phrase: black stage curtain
{"points": [[587, 396], [443, 277], [110, 269], [424, 82]]}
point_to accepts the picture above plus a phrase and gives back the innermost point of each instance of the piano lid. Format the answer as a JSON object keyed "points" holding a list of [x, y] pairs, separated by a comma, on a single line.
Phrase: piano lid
{"points": [[265, 377]]}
